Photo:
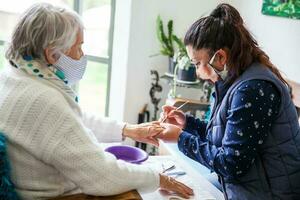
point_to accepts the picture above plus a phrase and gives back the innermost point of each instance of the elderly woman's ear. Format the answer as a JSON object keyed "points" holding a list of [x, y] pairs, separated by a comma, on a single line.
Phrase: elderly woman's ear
{"points": [[50, 56]]}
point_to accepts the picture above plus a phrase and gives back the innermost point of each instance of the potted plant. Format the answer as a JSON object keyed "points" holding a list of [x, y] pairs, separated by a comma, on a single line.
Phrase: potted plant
{"points": [[185, 70], [166, 42]]}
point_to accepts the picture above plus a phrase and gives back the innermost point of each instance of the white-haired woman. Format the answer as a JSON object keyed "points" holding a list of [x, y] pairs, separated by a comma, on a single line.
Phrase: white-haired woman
{"points": [[53, 148]]}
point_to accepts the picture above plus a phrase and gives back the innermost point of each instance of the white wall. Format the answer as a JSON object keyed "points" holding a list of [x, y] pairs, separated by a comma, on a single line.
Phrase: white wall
{"points": [[142, 43], [135, 40], [279, 37]]}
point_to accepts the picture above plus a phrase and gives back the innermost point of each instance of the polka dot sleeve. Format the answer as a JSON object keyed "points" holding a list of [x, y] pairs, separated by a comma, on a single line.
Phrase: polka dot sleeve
{"points": [[254, 107], [195, 126]]}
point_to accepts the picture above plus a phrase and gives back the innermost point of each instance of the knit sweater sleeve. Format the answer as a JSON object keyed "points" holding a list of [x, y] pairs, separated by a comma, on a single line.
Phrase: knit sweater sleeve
{"points": [[75, 152], [105, 129]]}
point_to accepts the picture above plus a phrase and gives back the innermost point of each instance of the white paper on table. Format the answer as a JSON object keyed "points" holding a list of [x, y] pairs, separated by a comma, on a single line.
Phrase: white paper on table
{"points": [[156, 162]]}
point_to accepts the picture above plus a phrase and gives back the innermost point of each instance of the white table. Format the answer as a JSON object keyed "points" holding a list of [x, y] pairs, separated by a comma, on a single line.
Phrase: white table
{"points": [[203, 189]]}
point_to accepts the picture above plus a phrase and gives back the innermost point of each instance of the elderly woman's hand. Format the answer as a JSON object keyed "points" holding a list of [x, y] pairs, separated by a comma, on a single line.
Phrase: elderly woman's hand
{"points": [[145, 132], [171, 185]]}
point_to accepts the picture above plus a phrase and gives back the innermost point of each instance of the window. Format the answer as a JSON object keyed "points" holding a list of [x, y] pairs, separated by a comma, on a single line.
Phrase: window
{"points": [[2, 56], [10, 11], [97, 16], [93, 87]]}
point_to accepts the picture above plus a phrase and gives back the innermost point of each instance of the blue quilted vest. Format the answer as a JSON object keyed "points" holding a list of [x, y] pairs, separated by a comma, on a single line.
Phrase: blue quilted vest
{"points": [[275, 173]]}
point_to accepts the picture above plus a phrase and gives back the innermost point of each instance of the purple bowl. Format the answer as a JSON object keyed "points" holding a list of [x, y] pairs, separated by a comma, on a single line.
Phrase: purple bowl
{"points": [[128, 153]]}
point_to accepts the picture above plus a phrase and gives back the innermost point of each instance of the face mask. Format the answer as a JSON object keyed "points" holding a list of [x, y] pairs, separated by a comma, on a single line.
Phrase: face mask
{"points": [[72, 69], [222, 74]]}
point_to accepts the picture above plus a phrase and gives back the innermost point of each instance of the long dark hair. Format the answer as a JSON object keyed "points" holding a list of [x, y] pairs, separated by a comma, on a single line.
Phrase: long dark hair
{"points": [[224, 28]]}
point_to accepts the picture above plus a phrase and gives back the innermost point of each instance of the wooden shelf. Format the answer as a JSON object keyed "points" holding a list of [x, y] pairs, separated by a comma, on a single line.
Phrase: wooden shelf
{"points": [[170, 81], [191, 107]]}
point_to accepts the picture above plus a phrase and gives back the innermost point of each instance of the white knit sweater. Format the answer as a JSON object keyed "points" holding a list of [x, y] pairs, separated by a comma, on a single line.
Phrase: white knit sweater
{"points": [[54, 150]]}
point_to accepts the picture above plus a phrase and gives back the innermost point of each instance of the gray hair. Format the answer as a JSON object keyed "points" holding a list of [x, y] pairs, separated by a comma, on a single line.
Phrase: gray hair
{"points": [[44, 26]]}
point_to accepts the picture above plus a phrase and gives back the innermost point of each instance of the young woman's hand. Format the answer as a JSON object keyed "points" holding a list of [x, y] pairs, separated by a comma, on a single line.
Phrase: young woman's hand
{"points": [[173, 116], [170, 132], [145, 132], [171, 185]]}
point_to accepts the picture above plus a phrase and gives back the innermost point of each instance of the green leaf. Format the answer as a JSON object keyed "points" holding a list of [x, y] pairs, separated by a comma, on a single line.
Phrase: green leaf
{"points": [[170, 38], [167, 48], [159, 29], [165, 52], [180, 45]]}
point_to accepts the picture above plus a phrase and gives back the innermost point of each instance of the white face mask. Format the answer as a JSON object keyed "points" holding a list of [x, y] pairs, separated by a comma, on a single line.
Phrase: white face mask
{"points": [[72, 69], [222, 74]]}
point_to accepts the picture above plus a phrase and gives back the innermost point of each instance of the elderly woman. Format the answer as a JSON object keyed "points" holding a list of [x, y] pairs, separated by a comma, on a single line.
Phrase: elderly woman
{"points": [[53, 148]]}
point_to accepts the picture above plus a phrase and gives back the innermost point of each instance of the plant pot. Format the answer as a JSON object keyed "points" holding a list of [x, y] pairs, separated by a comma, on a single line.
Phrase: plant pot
{"points": [[172, 65], [187, 75]]}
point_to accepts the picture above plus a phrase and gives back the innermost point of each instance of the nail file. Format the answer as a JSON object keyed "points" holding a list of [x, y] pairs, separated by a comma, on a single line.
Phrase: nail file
{"points": [[178, 173]]}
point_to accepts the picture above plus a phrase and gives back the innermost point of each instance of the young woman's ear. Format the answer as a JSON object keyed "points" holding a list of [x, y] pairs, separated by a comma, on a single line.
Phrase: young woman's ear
{"points": [[50, 55], [223, 57]]}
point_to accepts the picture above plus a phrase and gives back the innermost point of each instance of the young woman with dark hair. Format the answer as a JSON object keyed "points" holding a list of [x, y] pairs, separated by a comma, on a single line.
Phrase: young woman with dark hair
{"points": [[252, 139]]}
